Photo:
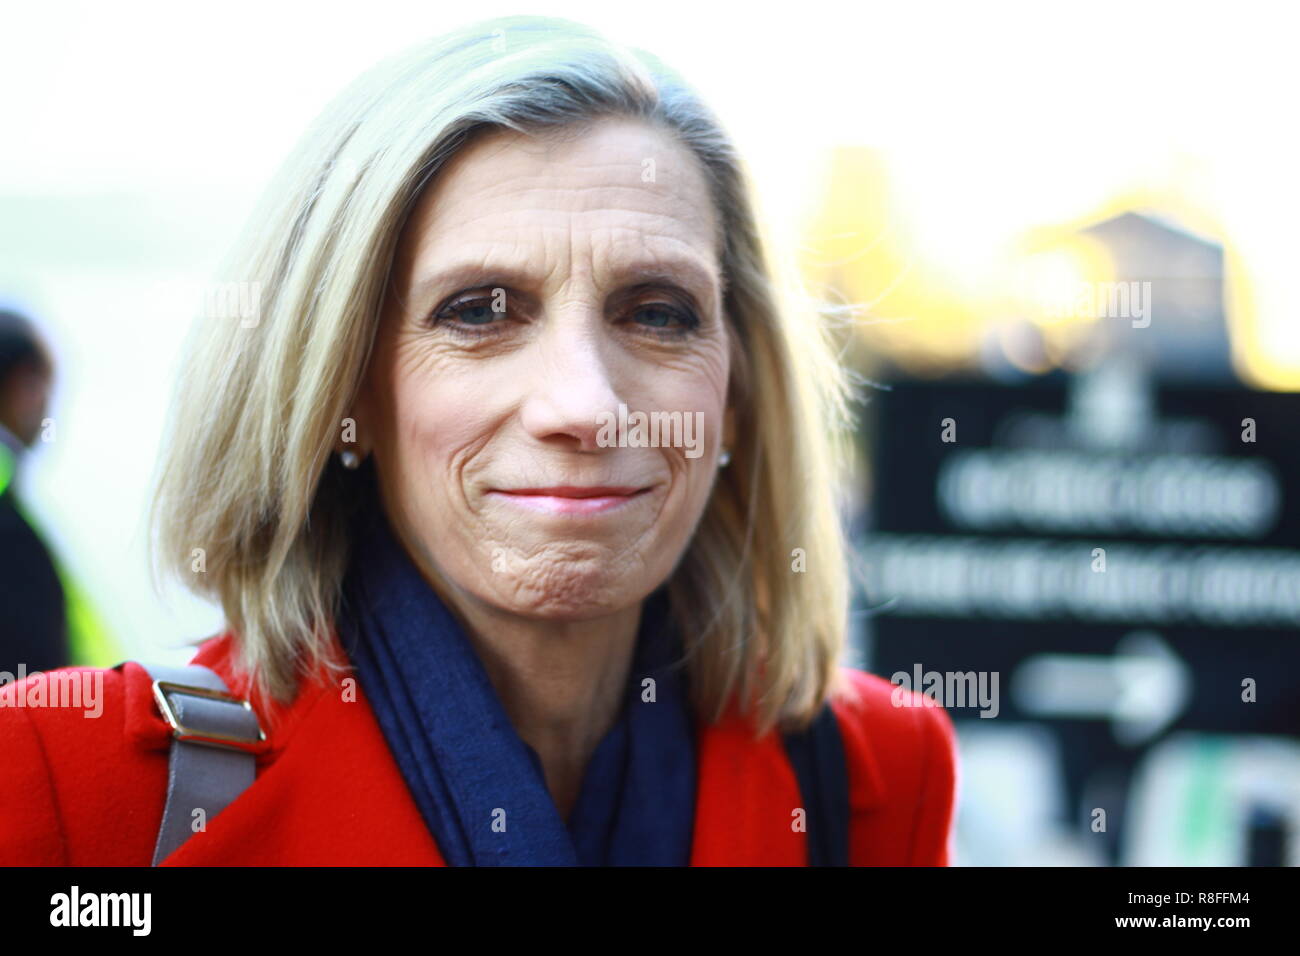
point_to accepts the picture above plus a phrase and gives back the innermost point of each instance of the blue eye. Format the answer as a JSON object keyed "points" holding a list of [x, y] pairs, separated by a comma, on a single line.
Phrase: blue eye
{"points": [[476, 317], [470, 317], [658, 318], [472, 314], [664, 320]]}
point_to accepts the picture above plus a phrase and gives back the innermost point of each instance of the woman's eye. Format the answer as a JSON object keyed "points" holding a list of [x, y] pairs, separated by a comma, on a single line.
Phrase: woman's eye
{"points": [[483, 316], [475, 314], [661, 318], [471, 317]]}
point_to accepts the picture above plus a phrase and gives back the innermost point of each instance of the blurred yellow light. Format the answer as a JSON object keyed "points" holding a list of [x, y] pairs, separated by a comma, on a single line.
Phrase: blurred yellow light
{"points": [[1057, 283]]}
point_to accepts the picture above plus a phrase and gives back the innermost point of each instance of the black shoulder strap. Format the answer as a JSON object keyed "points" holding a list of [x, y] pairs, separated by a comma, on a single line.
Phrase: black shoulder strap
{"points": [[817, 756]]}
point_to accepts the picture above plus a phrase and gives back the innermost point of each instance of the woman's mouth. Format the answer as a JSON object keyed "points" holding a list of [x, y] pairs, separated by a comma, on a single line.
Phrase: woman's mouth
{"points": [[569, 499]]}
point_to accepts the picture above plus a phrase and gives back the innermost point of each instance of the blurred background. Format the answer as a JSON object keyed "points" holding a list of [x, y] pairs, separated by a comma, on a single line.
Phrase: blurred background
{"points": [[1057, 245]]}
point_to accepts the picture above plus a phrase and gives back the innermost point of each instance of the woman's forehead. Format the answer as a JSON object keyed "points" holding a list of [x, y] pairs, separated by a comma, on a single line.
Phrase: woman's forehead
{"points": [[620, 184]]}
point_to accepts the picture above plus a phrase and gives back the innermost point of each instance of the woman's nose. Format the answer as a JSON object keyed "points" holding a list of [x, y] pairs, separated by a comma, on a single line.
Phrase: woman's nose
{"points": [[572, 389]]}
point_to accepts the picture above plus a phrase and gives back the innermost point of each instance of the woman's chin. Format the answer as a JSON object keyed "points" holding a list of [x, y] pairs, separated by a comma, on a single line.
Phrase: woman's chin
{"points": [[569, 594]]}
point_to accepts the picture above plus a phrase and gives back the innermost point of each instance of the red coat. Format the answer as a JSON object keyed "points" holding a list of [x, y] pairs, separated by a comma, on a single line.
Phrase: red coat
{"points": [[89, 791]]}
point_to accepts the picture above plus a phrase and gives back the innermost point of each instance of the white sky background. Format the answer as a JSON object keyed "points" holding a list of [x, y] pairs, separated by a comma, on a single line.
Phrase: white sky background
{"points": [[134, 138]]}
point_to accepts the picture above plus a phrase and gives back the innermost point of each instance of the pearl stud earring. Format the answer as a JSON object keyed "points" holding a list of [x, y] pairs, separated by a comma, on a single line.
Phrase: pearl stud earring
{"points": [[724, 458], [350, 459]]}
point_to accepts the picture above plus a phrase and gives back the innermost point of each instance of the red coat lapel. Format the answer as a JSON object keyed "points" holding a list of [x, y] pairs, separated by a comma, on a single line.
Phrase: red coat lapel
{"points": [[746, 802], [328, 791]]}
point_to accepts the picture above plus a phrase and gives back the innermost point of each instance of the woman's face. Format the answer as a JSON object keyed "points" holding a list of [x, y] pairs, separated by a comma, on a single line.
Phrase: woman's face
{"points": [[539, 285]]}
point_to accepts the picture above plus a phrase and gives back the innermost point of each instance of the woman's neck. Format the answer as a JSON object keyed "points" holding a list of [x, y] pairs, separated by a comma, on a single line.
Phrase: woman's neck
{"points": [[561, 683]]}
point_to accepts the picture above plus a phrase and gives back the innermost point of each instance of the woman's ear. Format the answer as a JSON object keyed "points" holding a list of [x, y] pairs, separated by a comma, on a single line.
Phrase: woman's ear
{"points": [[359, 429], [354, 433], [347, 436], [729, 429]]}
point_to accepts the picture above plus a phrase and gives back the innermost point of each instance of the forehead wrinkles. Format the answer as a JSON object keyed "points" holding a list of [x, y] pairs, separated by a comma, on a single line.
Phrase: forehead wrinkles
{"points": [[542, 248], [514, 214], [614, 154], [509, 182]]}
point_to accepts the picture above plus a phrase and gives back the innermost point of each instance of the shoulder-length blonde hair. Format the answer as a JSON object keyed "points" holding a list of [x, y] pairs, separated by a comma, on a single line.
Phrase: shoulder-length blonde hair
{"points": [[248, 476]]}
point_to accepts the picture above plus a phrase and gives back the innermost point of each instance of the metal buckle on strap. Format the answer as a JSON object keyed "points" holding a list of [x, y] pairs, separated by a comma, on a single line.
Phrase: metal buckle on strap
{"points": [[212, 738]]}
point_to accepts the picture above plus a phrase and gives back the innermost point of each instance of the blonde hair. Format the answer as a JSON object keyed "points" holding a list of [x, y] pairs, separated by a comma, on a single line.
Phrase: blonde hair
{"points": [[248, 475]]}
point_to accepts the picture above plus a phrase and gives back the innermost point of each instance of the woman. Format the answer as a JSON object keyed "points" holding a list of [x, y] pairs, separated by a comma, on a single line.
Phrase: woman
{"points": [[517, 493]]}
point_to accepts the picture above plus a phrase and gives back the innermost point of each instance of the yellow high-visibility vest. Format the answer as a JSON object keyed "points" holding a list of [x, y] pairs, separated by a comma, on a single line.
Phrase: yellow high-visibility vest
{"points": [[90, 641]]}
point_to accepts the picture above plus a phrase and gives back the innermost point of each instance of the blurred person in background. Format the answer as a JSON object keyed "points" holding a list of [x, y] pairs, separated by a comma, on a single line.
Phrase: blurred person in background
{"points": [[46, 619], [33, 618]]}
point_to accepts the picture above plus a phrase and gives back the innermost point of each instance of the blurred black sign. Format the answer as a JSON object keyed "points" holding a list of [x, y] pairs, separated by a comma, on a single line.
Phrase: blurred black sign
{"points": [[1123, 558]]}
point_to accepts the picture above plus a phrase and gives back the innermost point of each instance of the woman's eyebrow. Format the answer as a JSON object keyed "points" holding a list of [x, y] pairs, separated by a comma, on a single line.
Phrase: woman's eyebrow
{"points": [[687, 273]]}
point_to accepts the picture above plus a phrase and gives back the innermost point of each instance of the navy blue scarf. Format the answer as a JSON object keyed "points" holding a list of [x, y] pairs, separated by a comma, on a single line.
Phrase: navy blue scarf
{"points": [[479, 786]]}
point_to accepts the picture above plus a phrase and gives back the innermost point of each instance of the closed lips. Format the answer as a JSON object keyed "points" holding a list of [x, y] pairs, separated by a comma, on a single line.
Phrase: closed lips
{"points": [[570, 491], [570, 500]]}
